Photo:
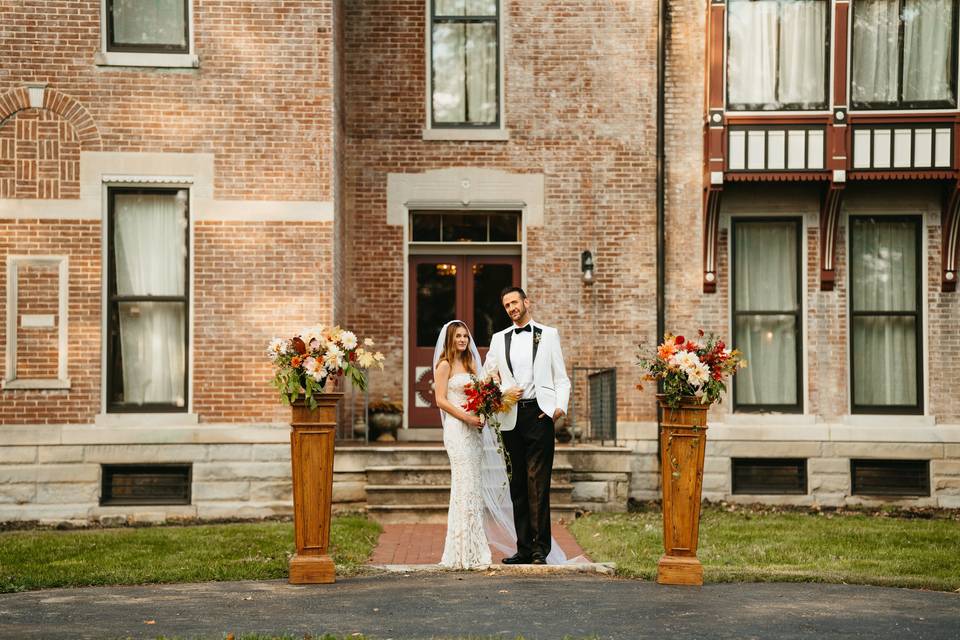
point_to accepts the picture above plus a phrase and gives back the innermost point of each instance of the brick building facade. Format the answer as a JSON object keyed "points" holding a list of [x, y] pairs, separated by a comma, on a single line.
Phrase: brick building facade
{"points": [[386, 165]]}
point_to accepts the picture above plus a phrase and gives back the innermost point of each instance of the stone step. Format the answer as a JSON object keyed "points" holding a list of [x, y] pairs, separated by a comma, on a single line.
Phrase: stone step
{"points": [[379, 495], [436, 475], [435, 514]]}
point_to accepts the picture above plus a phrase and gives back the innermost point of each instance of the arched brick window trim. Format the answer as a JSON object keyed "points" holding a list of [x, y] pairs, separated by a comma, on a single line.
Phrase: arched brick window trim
{"points": [[63, 105]]}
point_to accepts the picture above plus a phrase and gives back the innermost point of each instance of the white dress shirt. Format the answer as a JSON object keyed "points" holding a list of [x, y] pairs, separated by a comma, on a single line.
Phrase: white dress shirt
{"points": [[521, 359]]}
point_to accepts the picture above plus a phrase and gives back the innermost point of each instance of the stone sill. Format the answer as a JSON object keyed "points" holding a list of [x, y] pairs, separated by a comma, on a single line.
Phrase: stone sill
{"points": [[490, 135], [159, 60], [30, 383], [886, 420], [138, 420]]}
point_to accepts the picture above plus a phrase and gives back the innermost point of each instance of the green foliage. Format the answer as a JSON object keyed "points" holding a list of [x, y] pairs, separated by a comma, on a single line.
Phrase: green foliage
{"points": [[242, 551], [747, 546]]}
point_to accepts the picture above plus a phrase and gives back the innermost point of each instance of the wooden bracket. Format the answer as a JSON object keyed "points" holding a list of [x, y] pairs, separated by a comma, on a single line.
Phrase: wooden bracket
{"points": [[950, 238], [711, 229], [829, 219]]}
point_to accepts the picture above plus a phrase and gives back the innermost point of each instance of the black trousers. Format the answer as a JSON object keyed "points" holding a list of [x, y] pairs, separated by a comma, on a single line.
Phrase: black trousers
{"points": [[530, 445]]}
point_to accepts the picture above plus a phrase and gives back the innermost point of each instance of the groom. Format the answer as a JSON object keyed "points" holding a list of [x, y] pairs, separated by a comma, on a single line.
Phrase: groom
{"points": [[528, 355]]}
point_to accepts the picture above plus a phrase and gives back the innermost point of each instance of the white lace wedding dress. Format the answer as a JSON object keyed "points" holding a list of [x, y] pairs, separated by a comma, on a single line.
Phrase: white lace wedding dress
{"points": [[466, 544]]}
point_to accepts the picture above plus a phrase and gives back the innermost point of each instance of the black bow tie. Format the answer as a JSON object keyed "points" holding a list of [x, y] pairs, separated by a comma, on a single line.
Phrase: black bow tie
{"points": [[526, 327]]}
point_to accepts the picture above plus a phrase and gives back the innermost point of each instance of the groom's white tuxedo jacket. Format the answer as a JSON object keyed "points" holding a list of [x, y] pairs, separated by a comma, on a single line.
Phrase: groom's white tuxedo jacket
{"points": [[550, 381]]}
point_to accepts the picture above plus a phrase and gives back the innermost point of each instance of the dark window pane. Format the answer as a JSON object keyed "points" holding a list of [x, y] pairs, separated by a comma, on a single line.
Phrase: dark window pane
{"points": [[145, 484], [436, 300], [504, 227], [885, 360], [769, 476], [464, 228], [770, 347], [488, 315], [426, 227], [890, 477]]}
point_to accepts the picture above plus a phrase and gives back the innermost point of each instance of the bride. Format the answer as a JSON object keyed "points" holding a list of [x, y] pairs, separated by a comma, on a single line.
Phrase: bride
{"points": [[481, 512]]}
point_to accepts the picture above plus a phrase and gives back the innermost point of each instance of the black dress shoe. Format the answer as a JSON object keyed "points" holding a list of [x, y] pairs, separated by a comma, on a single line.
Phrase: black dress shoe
{"points": [[517, 559], [538, 559]]}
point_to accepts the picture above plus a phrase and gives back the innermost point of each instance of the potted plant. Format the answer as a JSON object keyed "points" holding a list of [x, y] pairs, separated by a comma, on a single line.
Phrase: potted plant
{"points": [[691, 375], [385, 417], [303, 365]]}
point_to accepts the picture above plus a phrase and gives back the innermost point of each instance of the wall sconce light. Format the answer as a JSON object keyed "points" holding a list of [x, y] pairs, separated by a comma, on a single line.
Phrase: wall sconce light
{"points": [[586, 266]]}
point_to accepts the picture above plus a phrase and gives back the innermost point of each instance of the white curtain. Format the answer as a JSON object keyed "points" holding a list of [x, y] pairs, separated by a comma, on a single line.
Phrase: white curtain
{"points": [[465, 64], [765, 272], [149, 22], [776, 53], [883, 275], [927, 49], [150, 251]]}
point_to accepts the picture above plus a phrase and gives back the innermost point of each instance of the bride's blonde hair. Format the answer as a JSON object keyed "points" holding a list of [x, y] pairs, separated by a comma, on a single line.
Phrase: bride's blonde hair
{"points": [[450, 353]]}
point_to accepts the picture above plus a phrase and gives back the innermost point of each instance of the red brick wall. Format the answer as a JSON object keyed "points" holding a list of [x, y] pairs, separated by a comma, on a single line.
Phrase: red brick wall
{"points": [[39, 156], [580, 104], [37, 347], [79, 240]]}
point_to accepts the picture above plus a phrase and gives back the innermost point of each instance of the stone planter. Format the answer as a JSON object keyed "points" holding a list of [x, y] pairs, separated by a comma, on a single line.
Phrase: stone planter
{"points": [[311, 443], [384, 426], [683, 442]]}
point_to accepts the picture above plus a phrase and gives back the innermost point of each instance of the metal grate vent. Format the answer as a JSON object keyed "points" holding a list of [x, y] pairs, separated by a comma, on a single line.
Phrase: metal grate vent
{"points": [[770, 476], [890, 477], [135, 484]]}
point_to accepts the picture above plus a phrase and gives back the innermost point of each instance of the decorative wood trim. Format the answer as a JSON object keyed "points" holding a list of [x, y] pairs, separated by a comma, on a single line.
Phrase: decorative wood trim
{"points": [[829, 218], [841, 13], [950, 238], [716, 51], [711, 230]]}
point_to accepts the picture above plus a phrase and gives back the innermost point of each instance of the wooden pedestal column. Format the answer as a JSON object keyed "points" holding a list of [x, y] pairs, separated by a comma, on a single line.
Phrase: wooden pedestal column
{"points": [[682, 443], [311, 442]]}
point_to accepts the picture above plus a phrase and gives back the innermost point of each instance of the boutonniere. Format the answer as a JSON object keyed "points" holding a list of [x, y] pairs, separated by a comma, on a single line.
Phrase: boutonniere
{"points": [[536, 337]]}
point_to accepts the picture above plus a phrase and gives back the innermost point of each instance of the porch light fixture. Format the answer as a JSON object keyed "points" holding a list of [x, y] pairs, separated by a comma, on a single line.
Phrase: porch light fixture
{"points": [[586, 266]]}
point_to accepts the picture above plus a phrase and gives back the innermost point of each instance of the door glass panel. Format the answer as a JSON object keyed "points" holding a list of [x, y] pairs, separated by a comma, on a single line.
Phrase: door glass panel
{"points": [[488, 315], [436, 300]]}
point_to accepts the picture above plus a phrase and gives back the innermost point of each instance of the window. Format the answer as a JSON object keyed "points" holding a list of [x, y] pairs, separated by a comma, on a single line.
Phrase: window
{"points": [[465, 73], [147, 285], [885, 314], [890, 477], [767, 314], [770, 476], [436, 226], [777, 52], [904, 54], [137, 484], [148, 26]]}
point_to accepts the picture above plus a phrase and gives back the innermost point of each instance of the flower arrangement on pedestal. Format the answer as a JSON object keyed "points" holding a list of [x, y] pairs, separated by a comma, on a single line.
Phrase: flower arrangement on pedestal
{"points": [[304, 363], [689, 369]]}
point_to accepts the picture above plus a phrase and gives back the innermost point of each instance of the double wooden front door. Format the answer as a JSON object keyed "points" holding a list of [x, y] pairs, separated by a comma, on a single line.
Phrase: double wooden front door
{"points": [[444, 288]]}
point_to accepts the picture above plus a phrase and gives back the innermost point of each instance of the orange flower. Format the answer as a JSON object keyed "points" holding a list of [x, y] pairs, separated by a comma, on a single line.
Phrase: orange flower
{"points": [[295, 361], [666, 350]]}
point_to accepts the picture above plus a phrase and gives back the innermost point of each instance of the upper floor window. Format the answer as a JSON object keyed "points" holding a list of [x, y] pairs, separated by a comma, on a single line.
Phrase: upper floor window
{"points": [[777, 54], [147, 312], [148, 26], [904, 54], [767, 314], [885, 314], [465, 69]]}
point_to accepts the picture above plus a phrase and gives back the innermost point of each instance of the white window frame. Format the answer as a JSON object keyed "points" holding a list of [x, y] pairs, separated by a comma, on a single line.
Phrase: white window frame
{"points": [[10, 380], [105, 58], [465, 133]]}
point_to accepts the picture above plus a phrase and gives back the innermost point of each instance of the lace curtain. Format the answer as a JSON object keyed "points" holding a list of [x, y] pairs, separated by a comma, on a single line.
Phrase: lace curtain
{"points": [[146, 22], [150, 251], [883, 278], [927, 51], [465, 64], [776, 53], [765, 280]]}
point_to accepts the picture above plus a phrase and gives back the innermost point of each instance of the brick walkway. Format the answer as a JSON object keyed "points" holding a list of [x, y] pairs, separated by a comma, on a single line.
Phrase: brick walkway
{"points": [[423, 544]]}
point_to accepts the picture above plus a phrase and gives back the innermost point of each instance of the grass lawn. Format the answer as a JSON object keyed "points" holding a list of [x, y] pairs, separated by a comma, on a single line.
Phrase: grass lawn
{"points": [[760, 545], [42, 559]]}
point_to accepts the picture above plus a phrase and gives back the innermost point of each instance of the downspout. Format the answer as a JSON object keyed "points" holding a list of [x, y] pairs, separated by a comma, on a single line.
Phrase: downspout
{"points": [[661, 179]]}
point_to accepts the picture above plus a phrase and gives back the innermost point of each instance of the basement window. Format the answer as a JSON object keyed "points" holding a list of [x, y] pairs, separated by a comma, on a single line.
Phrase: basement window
{"points": [[136, 484], [770, 476], [890, 477]]}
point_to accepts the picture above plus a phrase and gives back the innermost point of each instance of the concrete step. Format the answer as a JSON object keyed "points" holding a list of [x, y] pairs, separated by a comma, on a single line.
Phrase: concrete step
{"points": [[427, 514], [439, 495], [437, 474]]}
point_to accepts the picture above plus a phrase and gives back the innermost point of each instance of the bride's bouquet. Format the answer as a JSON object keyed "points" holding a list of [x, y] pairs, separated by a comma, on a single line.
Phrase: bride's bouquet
{"points": [[487, 400]]}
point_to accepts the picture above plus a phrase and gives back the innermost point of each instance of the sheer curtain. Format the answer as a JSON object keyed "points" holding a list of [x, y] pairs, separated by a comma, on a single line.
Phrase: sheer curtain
{"points": [[927, 50], [149, 22], [150, 250], [765, 264], [883, 275], [465, 63], [776, 53]]}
